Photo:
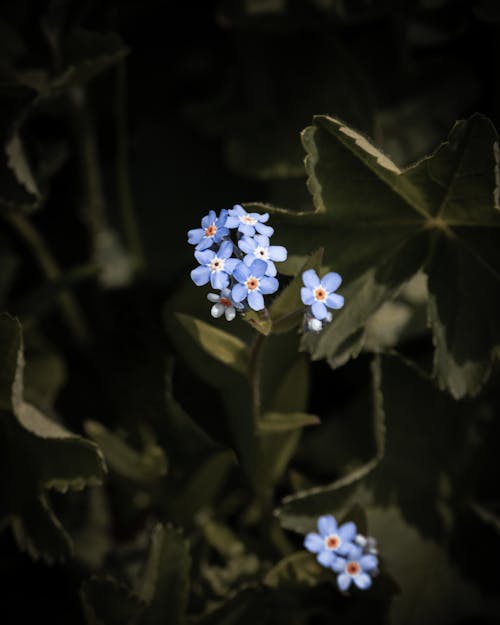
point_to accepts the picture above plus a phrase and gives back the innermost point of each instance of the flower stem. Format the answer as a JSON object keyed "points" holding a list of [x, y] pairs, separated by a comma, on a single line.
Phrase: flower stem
{"points": [[254, 374]]}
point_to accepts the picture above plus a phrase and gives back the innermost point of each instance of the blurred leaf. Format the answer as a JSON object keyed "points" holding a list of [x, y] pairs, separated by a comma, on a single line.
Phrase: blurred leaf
{"points": [[44, 373], [440, 215], [165, 585], [298, 569], [274, 422], [140, 467], [259, 320], [287, 309], [51, 456], [106, 602], [220, 345]]}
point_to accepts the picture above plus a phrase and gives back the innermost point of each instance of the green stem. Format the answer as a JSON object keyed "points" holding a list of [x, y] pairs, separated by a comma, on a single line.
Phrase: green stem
{"points": [[70, 309], [124, 191], [254, 374]]}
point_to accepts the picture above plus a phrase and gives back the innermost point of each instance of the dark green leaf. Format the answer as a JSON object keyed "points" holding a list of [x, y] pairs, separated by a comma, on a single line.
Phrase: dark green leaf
{"points": [[274, 422], [106, 602]]}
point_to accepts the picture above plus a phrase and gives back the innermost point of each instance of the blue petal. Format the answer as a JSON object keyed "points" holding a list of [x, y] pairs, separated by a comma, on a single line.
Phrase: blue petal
{"points": [[248, 259], [230, 265], [262, 218], [327, 525], [237, 210], [194, 236], [258, 268], [338, 565], [262, 240], [262, 229], [334, 300], [344, 581], [347, 532], [232, 222], [200, 275], [246, 229], [354, 552], [208, 220], [310, 278], [306, 296], [241, 272], [220, 234], [225, 250], [278, 253], [268, 285], [271, 269], [368, 562], [314, 543], [221, 220], [319, 310], [247, 244], [219, 279], [326, 558], [204, 258], [255, 300], [363, 581], [204, 243], [331, 281], [239, 293]]}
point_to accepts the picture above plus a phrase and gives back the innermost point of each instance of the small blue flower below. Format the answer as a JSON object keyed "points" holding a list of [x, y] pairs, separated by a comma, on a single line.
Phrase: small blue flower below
{"points": [[252, 284], [332, 541], [215, 267], [355, 567], [319, 294]]}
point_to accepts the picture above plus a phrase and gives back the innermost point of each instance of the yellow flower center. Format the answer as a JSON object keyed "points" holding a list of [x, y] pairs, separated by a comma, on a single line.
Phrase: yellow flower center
{"points": [[252, 283], [246, 219], [211, 230]]}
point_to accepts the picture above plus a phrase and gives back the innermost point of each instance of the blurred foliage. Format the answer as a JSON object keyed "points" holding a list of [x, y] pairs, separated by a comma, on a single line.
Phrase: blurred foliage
{"points": [[158, 466]]}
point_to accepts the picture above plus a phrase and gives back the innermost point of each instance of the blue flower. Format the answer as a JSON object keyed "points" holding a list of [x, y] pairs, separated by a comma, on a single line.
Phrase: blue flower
{"points": [[320, 293], [223, 305], [332, 541], [212, 230], [216, 267], [253, 283], [355, 567], [258, 248], [248, 223]]}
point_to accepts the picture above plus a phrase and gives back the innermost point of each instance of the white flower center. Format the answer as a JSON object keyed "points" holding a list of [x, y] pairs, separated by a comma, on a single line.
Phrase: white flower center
{"points": [[217, 264], [252, 283], [352, 568], [319, 294], [246, 219], [332, 542], [261, 252]]}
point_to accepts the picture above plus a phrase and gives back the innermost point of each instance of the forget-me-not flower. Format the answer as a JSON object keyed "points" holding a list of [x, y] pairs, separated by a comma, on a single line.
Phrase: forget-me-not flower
{"points": [[253, 284], [320, 293], [258, 248], [248, 223], [215, 266], [332, 541], [212, 230], [223, 305], [355, 567]]}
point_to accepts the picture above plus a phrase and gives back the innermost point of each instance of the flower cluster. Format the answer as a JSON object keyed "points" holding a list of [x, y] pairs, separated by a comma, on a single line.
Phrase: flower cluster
{"points": [[318, 295], [235, 255], [349, 554]]}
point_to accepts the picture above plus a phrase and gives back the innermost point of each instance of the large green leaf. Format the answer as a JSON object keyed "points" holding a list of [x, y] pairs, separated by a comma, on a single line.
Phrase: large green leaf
{"points": [[37, 454], [381, 225]]}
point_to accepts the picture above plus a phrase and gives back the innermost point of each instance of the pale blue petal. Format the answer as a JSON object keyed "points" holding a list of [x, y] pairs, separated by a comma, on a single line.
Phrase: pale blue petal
{"points": [[194, 236], [363, 581], [344, 581], [319, 310], [326, 558], [232, 222], [354, 552], [262, 240], [200, 275], [219, 279], [208, 220], [306, 296], [334, 300], [239, 293], [258, 268], [220, 234], [268, 285], [237, 210], [271, 269], [221, 220], [310, 278], [368, 562], [314, 543], [327, 525], [255, 300], [262, 218], [331, 281], [248, 259], [278, 253], [241, 272], [230, 265], [225, 250], [204, 257], [262, 229], [247, 244], [347, 532], [338, 565], [205, 243], [246, 229]]}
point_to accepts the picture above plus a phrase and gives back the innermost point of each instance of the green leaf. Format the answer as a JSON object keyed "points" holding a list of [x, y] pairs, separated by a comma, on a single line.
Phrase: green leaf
{"points": [[37, 453], [440, 215], [275, 422], [106, 602], [223, 347], [165, 585], [287, 309], [298, 569], [259, 320], [143, 467]]}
